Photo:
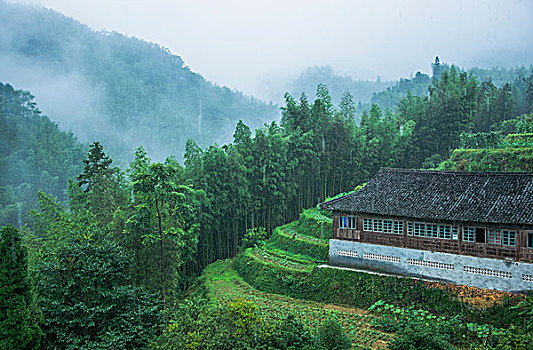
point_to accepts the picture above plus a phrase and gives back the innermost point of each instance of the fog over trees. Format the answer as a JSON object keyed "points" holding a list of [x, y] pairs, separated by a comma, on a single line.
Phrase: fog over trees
{"points": [[144, 206]]}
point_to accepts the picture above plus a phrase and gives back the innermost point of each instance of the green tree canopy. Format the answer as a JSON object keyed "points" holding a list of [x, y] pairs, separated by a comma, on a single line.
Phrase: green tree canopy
{"points": [[18, 321]]}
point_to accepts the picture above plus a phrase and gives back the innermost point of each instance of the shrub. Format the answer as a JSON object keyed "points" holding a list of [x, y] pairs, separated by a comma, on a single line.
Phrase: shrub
{"points": [[419, 338], [87, 300], [332, 337], [513, 339], [291, 334], [234, 325], [253, 237], [313, 222]]}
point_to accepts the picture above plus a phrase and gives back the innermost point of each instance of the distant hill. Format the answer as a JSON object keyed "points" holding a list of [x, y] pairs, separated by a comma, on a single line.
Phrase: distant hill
{"points": [[389, 98], [387, 94], [117, 89], [337, 84]]}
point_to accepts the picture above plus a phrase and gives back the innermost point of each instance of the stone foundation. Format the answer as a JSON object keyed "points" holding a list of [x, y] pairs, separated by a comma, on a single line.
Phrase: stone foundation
{"points": [[509, 276]]}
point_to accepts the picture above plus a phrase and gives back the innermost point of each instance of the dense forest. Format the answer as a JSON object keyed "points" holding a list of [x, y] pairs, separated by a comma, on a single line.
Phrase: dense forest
{"points": [[388, 94], [118, 89], [156, 225]]}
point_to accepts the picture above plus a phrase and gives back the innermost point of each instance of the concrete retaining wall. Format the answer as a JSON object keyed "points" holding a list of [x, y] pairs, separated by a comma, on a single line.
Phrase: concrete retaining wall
{"points": [[496, 274]]}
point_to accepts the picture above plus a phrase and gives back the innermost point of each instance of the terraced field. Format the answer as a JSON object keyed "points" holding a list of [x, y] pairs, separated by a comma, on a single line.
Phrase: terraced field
{"points": [[223, 283], [282, 259]]}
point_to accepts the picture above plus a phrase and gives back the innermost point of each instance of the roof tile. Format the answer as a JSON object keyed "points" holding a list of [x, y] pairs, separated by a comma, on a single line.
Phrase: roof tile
{"points": [[485, 197]]}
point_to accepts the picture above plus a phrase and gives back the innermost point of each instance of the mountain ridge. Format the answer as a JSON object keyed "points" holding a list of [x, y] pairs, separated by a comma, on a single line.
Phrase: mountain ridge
{"points": [[118, 89]]}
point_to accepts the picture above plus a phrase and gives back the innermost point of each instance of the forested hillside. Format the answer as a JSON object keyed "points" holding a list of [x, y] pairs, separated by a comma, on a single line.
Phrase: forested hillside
{"points": [[34, 155], [388, 94], [493, 78], [117, 89]]}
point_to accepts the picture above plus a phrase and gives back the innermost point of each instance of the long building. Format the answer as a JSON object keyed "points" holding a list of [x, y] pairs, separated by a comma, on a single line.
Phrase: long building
{"points": [[473, 228]]}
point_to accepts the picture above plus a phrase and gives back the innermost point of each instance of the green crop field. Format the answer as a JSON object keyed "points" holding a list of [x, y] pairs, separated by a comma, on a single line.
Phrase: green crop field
{"points": [[223, 283]]}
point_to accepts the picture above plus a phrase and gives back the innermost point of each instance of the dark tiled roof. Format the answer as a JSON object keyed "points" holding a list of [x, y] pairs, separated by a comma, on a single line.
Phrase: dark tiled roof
{"points": [[486, 197]]}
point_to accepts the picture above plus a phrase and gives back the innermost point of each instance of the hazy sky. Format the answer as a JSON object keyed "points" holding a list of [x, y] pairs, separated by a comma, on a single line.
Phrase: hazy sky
{"points": [[244, 43]]}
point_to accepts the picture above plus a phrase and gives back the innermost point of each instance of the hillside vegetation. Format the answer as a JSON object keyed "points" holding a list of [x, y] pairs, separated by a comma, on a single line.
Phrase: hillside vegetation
{"points": [[375, 312], [35, 155], [496, 151], [110, 266], [388, 94]]}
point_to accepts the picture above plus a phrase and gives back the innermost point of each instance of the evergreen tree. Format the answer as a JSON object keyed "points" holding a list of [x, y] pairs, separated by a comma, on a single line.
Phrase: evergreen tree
{"points": [[18, 324], [96, 166], [101, 189], [163, 216], [437, 68]]}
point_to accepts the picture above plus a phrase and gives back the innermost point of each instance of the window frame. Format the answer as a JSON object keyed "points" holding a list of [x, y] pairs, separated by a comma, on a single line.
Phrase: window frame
{"points": [[410, 228], [388, 226], [506, 237], [343, 222], [469, 231], [348, 222], [377, 225], [367, 224], [494, 236], [352, 222], [529, 241], [446, 233], [419, 229], [397, 227], [432, 230]]}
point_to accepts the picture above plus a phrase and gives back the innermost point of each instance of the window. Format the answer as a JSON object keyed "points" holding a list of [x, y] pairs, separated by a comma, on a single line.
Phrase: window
{"points": [[378, 225], [420, 229], [469, 234], [398, 227], [343, 222], [495, 237], [387, 226], [432, 231], [367, 224], [409, 228], [509, 238], [446, 232], [352, 222], [530, 239], [348, 222]]}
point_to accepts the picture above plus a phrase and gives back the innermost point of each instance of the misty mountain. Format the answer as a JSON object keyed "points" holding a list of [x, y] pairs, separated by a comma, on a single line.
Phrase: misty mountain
{"points": [[389, 98], [117, 89], [337, 84]]}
